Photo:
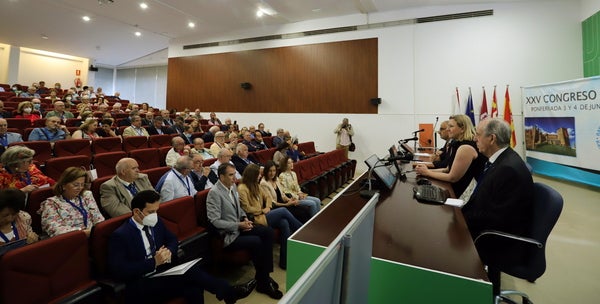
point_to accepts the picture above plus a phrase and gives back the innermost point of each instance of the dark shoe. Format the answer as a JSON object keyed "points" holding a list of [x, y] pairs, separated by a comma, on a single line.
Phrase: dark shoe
{"points": [[270, 289], [241, 291], [274, 283]]}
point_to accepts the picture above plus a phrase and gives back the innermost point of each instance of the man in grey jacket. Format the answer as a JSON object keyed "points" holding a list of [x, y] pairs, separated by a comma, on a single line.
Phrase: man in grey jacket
{"points": [[117, 192], [230, 220]]}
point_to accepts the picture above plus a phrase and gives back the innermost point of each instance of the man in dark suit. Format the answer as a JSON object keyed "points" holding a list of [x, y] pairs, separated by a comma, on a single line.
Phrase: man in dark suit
{"points": [[503, 197], [157, 127], [143, 245], [441, 157], [4, 114], [241, 158]]}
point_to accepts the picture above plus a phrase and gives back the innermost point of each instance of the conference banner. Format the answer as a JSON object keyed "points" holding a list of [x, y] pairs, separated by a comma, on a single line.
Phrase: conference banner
{"points": [[562, 122]]}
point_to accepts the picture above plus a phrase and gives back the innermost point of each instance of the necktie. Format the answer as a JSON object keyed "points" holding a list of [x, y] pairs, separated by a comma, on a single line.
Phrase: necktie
{"points": [[132, 189], [150, 240], [486, 166]]}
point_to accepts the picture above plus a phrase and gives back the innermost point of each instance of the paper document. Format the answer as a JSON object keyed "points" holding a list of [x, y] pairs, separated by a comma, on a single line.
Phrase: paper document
{"points": [[454, 202], [177, 270]]}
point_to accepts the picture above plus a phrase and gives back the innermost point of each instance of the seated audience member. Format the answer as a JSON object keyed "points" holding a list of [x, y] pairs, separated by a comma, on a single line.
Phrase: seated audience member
{"points": [[176, 182], [145, 108], [37, 107], [187, 134], [202, 177], [157, 128], [116, 109], [4, 113], [440, 158], [117, 96], [465, 162], [261, 129], [279, 138], [257, 204], [241, 158], [15, 224], [280, 152], [19, 171], [102, 108], [147, 119], [200, 149], [85, 104], [73, 207], [167, 120], [117, 192], [41, 88], [25, 110], [127, 121], [210, 135], [136, 128], [250, 143], [30, 93], [53, 131], [106, 128], [214, 121], [224, 156], [131, 107], [233, 141], [218, 144], [260, 142], [197, 114], [195, 124], [270, 184], [290, 186], [239, 232], [6, 137], [59, 111], [143, 245], [53, 96], [503, 198], [178, 125], [87, 130], [178, 149]]}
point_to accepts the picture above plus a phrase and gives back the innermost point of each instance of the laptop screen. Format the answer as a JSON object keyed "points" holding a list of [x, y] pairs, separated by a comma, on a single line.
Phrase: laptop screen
{"points": [[381, 171]]}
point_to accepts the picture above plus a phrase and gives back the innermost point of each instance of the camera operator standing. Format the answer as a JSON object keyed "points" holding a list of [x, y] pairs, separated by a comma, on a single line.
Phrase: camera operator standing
{"points": [[344, 133]]}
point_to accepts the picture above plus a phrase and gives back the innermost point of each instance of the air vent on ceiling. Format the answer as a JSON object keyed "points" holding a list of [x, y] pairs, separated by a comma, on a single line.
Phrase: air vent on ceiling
{"points": [[473, 14]]}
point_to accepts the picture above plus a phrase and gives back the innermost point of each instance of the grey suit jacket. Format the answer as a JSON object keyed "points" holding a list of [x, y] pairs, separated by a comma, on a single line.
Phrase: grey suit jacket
{"points": [[223, 213], [116, 199]]}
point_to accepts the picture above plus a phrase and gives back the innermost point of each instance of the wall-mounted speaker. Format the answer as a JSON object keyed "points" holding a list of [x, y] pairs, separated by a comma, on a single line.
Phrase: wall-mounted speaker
{"points": [[246, 85], [375, 101], [93, 68]]}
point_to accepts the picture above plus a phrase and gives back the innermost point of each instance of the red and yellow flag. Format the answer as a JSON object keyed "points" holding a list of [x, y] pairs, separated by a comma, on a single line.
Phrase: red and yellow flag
{"points": [[494, 104], [509, 119]]}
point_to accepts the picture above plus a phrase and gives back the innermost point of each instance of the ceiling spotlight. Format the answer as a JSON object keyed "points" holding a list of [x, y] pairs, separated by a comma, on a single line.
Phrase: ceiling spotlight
{"points": [[143, 5], [44, 36], [191, 24], [260, 13], [86, 18], [138, 34]]}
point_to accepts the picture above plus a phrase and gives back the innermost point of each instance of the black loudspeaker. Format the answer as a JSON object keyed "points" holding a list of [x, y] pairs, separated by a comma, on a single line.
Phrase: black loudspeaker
{"points": [[375, 101], [93, 68], [246, 85]]}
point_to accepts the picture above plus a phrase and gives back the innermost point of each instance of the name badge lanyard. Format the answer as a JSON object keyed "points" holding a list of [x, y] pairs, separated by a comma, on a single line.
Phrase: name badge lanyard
{"points": [[81, 210], [185, 183], [15, 232]]}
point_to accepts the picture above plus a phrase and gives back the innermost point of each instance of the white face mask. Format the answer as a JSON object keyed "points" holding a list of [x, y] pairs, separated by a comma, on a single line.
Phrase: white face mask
{"points": [[69, 98], [150, 219], [27, 110]]}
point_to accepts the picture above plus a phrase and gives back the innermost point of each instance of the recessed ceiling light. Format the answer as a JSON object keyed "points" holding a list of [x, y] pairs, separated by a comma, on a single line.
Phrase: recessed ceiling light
{"points": [[86, 18], [191, 24], [143, 5], [44, 36], [260, 13], [138, 34], [316, 10]]}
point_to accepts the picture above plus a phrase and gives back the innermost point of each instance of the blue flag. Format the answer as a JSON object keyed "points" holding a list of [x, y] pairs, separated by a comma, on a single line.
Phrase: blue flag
{"points": [[470, 112]]}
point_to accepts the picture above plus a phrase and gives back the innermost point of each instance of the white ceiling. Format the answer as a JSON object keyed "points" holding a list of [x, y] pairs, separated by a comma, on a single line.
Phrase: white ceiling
{"points": [[109, 40]]}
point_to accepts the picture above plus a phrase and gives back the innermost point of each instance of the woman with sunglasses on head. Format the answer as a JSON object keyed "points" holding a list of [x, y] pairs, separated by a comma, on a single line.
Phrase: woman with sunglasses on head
{"points": [[72, 207]]}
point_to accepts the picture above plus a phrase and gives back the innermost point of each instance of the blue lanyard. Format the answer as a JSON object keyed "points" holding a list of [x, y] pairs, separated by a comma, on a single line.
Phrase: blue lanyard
{"points": [[80, 209], [15, 232], [186, 184]]}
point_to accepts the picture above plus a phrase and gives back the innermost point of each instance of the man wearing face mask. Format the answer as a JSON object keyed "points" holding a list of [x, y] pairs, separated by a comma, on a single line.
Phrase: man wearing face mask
{"points": [[37, 107], [142, 245]]}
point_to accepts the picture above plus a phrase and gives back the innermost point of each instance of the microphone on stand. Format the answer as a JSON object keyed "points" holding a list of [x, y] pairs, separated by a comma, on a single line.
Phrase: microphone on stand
{"points": [[403, 141]]}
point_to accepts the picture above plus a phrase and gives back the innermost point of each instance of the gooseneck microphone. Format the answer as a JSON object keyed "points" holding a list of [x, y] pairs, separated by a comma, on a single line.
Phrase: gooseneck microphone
{"points": [[403, 141]]}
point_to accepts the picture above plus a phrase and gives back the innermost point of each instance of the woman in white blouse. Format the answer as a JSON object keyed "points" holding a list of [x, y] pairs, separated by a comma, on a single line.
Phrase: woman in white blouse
{"points": [[290, 186]]}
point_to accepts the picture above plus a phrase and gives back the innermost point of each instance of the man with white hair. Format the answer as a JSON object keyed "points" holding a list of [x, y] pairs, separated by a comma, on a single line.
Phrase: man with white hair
{"points": [[177, 183], [117, 192]]}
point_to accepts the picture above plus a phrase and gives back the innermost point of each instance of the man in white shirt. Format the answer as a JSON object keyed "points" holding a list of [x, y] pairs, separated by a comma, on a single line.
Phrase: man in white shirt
{"points": [[224, 156], [177, 182]]}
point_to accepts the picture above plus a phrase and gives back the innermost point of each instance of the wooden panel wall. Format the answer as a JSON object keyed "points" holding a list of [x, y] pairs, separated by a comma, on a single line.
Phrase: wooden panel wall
{"points": [[336, 77]]}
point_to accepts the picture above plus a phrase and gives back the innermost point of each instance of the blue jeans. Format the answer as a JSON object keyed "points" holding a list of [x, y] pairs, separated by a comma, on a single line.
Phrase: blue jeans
{"points": [[313, 202], [287, 224]]}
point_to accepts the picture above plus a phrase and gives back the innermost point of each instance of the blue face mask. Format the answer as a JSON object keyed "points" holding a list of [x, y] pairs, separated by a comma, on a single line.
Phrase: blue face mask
{"points": [[36, 106]]}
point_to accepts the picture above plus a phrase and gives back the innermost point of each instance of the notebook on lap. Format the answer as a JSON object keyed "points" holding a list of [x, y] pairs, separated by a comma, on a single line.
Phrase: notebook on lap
{"points": [[12, 245]]}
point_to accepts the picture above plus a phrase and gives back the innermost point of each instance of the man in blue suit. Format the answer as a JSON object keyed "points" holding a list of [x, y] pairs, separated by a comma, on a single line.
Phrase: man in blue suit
{"points": [[143, 246], [6, 137]]}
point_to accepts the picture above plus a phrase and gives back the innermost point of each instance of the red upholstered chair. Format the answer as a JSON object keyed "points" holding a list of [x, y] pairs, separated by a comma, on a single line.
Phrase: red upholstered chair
{"points": [[15, 130], [104, 163], [39, 123], [71, 147], [57, 165], [107, 144], [72, 122], [159, 140], [96, 190], [19, 123], [263, 156], [34, 201], [134, 143], [179, 216], [162, 155], [308, 148], [146, 158], [154, 174], [54, 270], [209, 161], [42, 148]]}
